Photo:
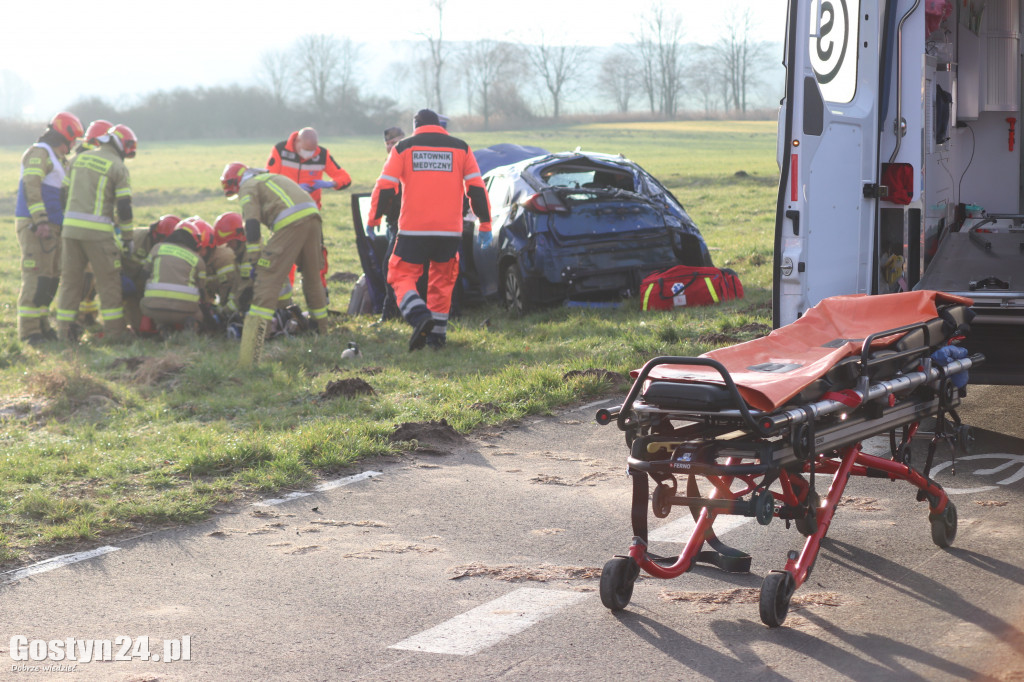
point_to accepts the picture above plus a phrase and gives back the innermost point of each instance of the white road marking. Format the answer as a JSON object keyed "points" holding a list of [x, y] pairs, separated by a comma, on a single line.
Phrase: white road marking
{"points": [[56, 562], [490, 623], [328, 485], [596, 403], [1011, 460], [681, 529]]}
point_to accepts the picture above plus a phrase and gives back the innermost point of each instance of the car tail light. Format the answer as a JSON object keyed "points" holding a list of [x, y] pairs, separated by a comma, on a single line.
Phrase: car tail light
{"points": [[539, 203]]}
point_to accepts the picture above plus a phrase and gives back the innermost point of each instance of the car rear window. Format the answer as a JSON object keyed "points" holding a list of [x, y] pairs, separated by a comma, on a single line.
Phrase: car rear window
{"points": [[588, 177]]}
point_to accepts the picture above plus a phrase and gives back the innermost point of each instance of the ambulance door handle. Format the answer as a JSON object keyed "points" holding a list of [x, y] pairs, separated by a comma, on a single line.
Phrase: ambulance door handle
{"points": [[795, 217]]}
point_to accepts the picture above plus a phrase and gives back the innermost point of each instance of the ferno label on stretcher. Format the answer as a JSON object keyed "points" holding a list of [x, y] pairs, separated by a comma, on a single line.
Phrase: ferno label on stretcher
{"points": [[772, 369]]}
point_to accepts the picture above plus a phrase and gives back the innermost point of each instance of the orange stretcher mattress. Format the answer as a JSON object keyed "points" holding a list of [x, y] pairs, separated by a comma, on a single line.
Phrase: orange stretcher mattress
{"points": [[771, 370]]}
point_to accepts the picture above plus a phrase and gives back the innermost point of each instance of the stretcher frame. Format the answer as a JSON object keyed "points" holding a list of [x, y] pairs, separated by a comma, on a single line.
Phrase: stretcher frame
{"points": [[734, 446]]}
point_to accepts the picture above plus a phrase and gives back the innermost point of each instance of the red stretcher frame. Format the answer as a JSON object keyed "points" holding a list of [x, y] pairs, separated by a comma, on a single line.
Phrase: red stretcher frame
{"points": [[781, 444]]}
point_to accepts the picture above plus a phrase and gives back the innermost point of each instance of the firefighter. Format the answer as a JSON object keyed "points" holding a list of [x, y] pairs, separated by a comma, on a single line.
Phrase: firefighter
{"points": [[89, 308], [302, 159], [137, 245], [176, 270], [296, 239], [434, 172], [39, 216], [92, 135], [98, 203], [223, 283], [229, 233]]}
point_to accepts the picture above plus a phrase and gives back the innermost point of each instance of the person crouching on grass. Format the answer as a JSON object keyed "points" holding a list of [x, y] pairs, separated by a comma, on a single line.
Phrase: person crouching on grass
{"points": [[176, 271]]}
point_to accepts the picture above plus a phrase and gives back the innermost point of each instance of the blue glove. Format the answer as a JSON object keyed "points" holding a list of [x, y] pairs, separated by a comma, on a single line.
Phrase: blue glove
{"points": [[323, 184], [308, 186], [948, 354], [485, 239], [128, 286]]}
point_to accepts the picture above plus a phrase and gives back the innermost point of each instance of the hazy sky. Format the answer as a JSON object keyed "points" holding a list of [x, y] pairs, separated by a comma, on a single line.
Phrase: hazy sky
{"points": [[140, 47]]}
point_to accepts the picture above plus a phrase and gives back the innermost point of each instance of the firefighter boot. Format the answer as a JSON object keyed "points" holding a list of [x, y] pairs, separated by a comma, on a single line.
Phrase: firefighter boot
{"points": [[253, 332]]}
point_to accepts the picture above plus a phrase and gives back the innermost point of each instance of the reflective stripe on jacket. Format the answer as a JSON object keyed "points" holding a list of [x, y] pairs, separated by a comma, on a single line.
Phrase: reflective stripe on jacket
{"points": [[434, 172], [96, 180], [177, 274], [42, 174], [274, 200]]}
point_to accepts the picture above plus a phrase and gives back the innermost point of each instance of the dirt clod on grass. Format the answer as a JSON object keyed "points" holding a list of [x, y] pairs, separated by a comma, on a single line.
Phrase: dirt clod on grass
{"points": [[436, 437], [343, 277], [149, 371], [486, 408], [346, 388]]}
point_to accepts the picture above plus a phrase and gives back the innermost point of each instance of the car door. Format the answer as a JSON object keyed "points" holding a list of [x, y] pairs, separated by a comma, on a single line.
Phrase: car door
{"points": [[824, 232], [499, 193]]}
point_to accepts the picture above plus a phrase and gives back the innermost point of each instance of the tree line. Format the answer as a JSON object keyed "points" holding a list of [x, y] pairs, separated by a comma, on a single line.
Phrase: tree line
{"points": [[489, 83]]}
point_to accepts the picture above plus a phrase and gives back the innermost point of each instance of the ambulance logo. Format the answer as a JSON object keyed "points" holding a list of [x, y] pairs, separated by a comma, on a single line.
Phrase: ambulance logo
{"points": [[832, 52]]}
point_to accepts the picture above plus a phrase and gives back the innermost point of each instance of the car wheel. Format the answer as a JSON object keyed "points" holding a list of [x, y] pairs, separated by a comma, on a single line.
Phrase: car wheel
{"points": [[513, 288]]}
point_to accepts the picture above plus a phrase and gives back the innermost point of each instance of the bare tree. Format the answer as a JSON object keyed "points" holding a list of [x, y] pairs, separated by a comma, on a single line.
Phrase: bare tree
{"points": [[438, 57], [647, 71], [557, 66], [617, 77], [327, 67], [276, 74], [739, 58], [705, 79], [659, 48], [486, 64]]}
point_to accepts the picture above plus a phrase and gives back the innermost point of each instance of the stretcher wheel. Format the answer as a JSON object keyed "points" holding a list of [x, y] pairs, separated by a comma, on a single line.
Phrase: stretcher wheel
{"points": [[617, 580], [808, 525], [944, 526], [764, 507], [776, 591], [661, 499]]}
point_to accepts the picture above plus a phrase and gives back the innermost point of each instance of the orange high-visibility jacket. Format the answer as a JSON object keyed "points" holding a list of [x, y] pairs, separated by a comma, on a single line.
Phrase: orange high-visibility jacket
{"points": [[286, 161], [434, 171]]}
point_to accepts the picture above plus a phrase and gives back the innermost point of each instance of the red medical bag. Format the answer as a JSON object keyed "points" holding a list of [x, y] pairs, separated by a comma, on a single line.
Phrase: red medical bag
{"points": [[686, 285]]}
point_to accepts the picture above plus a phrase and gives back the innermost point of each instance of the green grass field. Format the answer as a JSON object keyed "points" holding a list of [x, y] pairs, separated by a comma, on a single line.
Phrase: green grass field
{"points": [[103, 441]]}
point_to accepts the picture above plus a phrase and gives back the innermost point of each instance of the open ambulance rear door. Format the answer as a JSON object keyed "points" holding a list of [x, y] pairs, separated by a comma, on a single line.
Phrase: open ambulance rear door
{"points": [[825, 235]]}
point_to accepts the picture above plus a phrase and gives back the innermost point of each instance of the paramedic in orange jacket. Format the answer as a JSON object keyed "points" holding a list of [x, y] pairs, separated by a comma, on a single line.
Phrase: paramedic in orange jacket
{"points": [[434, 171], [302, 159]]}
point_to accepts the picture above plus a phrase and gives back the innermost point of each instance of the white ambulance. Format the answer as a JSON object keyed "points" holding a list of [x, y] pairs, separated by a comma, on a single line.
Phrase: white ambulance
{"points": [[901, 161]]}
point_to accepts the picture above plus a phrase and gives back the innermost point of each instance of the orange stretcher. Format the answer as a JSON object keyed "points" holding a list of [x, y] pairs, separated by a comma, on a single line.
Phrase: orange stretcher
{"points": [[752, 419]]}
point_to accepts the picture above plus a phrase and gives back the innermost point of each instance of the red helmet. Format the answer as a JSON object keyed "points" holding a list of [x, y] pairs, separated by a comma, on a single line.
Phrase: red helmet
{"points": [[231, 178], [200, 229], [96, 129], [125, 139], [228, 227], [165, 226], [68, 125]]}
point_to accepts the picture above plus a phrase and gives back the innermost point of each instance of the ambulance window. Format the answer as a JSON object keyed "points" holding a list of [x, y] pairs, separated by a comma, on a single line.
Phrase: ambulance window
{"points": [[833, 47]]}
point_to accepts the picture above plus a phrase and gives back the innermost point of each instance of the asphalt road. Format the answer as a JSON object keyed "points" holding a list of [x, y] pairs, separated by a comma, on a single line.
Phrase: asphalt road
{"points": [[482, 564]]}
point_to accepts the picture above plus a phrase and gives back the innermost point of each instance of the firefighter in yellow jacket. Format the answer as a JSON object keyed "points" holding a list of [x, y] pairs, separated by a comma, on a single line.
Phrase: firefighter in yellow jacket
{"points": [[296, 232], [174, 287], [39, 215], [99, 202]]}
